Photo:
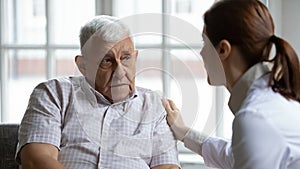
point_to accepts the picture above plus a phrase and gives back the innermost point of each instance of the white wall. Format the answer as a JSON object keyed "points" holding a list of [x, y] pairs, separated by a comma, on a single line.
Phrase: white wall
{"points": [[275, 7], [286, 14], [291, 22]]}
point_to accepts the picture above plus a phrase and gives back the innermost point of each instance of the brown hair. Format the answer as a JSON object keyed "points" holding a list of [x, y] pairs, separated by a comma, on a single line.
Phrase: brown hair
{"points": [[248, 25]]}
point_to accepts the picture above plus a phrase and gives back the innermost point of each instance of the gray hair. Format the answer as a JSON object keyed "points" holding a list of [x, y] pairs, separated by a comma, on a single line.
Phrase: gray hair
{"points": [[110, 28]]}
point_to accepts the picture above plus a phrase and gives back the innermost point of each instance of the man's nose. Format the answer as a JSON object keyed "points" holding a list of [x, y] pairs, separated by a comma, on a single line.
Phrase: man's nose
{"points": [[119, 71]]}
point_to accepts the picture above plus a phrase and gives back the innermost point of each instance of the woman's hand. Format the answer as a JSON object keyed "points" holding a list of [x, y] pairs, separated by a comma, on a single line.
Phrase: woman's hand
{"points": [[175, 120]]}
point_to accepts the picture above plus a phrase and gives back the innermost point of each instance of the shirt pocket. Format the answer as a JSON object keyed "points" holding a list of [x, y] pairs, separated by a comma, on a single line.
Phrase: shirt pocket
{"points": [[129, 138]]}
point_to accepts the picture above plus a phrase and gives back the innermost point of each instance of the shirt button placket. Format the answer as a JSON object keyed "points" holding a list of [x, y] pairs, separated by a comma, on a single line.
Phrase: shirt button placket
{"points": [[103, 162]]}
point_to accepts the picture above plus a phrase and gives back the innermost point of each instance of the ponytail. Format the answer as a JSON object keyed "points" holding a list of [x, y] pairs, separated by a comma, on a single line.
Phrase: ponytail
{"points": [[285, 74]]}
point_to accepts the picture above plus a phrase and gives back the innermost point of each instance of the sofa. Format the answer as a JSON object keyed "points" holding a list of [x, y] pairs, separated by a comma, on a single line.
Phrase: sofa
{"points": [[8, 144]]}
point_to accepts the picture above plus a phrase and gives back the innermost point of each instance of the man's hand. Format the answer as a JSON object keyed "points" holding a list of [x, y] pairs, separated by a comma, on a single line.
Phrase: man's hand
{"points": [[39, 155], [175, 120], [166, 166]]}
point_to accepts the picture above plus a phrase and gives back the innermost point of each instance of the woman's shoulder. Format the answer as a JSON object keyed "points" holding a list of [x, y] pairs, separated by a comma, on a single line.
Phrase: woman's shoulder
{"points": [[264, 101]]}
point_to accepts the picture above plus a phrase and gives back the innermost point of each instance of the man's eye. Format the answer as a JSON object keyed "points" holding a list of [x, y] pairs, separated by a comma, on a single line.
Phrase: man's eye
{"points": [[106, 60], [126, 57]]}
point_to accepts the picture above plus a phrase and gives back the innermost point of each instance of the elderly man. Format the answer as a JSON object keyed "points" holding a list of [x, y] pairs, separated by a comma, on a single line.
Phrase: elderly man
{"points": [[100, 119]]}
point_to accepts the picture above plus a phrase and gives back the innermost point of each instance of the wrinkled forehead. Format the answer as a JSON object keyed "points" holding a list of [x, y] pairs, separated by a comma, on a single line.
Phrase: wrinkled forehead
{"points": [[124, 44], [96, 47]]}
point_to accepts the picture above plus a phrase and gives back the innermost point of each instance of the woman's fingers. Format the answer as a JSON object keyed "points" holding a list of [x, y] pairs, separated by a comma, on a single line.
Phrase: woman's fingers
{"points": [[174, 119], [166, 104], [169, 105], [171, 115], [172, 105]]}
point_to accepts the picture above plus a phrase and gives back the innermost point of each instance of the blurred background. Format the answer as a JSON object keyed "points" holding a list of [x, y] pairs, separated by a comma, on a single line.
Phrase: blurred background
{"points": [[40, 38]]}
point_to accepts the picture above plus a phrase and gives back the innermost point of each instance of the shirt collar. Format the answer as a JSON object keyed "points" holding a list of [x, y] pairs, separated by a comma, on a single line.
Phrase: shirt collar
{"points": [[240, 89], [95, 97]]}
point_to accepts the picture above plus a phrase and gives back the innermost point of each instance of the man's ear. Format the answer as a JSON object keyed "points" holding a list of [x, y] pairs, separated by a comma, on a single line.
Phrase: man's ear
{"points": [[80, 62], [136, 53], [224, 49]]}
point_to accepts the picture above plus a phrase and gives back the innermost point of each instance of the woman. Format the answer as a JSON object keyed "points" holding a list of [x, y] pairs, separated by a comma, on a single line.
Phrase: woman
{"points": [[238, 37]]}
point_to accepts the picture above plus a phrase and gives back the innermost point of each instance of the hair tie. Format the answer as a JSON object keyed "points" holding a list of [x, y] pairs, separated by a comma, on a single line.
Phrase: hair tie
{"points": [[272, 38]]}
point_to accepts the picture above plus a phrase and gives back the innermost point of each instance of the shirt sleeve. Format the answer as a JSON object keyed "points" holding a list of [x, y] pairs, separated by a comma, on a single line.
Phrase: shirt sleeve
{"points": [[164, 149], [42, 120], [256, 143], [216, 152]]}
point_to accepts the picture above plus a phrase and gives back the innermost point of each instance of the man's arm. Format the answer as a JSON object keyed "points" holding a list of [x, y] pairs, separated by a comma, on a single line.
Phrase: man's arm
{"points": [[40, 155], [40, 129], [166, 166], [165, 153]]}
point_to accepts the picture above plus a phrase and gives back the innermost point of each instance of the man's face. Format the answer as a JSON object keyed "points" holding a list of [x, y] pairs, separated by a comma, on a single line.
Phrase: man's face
{"points": [[116, 71]]}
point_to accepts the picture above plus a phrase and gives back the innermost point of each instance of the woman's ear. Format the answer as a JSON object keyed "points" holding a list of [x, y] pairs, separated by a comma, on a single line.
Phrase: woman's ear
{"points": [[80, 62], [224, 49]]}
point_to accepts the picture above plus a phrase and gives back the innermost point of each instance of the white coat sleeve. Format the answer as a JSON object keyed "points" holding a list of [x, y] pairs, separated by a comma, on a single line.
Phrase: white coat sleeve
{"points": [[216, 152]]}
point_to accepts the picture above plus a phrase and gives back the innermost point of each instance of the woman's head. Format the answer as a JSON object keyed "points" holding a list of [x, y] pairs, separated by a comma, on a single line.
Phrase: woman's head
{"points": [[248, 26]]}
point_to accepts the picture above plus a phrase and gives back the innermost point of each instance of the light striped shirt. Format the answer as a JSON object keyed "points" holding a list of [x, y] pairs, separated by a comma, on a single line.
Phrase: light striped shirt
{"points": [[92, 133]]}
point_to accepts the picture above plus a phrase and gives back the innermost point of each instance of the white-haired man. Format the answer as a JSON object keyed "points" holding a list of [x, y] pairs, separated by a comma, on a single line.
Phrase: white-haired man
{"points": [[100, 119]]}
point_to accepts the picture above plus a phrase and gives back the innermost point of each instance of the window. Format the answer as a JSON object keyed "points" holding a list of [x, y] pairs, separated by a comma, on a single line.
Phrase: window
{"points": [[39, 40]]}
